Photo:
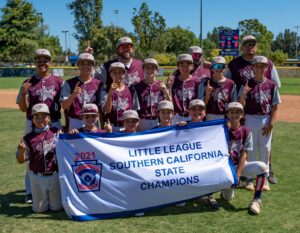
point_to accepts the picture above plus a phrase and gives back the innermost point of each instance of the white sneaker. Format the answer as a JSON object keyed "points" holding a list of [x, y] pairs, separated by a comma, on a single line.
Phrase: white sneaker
{"points": [[249, 186], [266, 186], [182, 204], [140, 214], [255, 206]]}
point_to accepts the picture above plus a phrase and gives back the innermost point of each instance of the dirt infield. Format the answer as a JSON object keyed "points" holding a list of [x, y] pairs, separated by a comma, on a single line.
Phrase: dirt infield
{"points": [[289, 110]]}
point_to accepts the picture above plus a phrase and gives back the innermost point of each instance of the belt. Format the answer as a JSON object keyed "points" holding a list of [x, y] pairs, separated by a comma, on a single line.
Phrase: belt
{"points": [[45, 173]]}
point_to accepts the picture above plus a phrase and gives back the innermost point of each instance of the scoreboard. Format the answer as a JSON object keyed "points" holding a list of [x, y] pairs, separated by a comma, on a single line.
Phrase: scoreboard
{"points": [[229, 42]]}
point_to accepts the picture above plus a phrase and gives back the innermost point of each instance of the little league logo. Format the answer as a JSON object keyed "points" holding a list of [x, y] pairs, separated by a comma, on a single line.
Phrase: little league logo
{"points": [[87, 175]]}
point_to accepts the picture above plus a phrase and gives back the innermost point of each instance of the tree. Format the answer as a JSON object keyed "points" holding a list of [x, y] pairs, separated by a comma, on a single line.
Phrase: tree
{"points": [[180, 40], [286, 42], [149, 30], [278, 57], [18, 31], [87, 19], [260, 32]]}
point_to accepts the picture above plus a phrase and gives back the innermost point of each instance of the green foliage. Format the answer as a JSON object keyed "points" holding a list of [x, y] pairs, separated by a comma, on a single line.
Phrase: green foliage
{"points": [[278, 57], [260, 32], [18, 31], [286, 42], [180, 40], [149, 30], [279, 204], [87, 21], [165, 59]]}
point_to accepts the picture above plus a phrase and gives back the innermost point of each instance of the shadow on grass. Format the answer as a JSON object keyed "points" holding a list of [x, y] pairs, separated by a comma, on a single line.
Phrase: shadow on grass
{"points": [[12, 205]]}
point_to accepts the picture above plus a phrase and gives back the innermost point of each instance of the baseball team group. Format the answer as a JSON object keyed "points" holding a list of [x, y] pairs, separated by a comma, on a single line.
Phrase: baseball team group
{"points": [[124, 95]]}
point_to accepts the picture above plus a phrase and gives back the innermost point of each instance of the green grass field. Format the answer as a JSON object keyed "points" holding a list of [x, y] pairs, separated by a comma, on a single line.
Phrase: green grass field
{"points": [[290, 86], [280, 213]]}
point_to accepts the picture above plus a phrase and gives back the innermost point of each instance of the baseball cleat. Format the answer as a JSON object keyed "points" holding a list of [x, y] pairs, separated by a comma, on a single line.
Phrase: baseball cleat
{"points": [[255, 206]]}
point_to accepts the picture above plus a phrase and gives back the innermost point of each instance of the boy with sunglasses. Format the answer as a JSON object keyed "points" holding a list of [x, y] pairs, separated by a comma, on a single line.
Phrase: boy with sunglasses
{"points": [[201, 67], [217, 91]]}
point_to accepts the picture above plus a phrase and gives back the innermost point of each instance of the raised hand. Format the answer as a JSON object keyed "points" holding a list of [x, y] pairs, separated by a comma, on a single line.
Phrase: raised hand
{"points": [[162, 86], [89, 49], [108, 127], [246, 88], [208, 88], [170, 81], [25, 87], [22, 146], [77, 89]]}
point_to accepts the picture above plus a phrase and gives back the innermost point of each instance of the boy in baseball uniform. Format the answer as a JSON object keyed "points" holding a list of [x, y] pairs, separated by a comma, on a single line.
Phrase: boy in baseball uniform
{"points": [[218, 91], [149, 92], [80, 90], [43, 87], [118, 98], [240, 145], [260, 97], [38, 147]]}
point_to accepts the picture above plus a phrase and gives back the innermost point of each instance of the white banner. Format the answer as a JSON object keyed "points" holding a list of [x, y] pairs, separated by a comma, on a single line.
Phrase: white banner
{"points": [[111, 175]]}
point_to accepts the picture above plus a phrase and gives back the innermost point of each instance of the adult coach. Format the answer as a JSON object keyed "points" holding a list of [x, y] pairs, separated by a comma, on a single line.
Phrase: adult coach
{"points": [[133, 66], [240, 70], [43, 87]]}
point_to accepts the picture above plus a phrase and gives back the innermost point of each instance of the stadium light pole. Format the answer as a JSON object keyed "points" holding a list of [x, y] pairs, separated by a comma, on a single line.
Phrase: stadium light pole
{"points": [[66, 47], [297, 41], [116, 12], [201, 41]]}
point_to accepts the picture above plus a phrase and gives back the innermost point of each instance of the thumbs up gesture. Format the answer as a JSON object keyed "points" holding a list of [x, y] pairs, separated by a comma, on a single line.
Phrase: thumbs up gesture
{"points": [[108, 127], [170, 81]]}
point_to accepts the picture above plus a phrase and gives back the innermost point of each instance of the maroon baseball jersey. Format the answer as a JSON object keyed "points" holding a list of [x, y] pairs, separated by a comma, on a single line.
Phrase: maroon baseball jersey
{"points": [[222, 94], [41, 150], [260, 99], [134, 73], [90, 94], [182, 93], [148, 96], [240, 139], [241, 71], [44, 90], [121, 101], [201, 72]]}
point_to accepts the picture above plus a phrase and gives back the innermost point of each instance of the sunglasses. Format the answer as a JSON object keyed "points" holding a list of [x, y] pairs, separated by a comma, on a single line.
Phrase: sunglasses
{"points": [[125, 46], [218, 66], [196, 55], [250, 44], [87, 116]]}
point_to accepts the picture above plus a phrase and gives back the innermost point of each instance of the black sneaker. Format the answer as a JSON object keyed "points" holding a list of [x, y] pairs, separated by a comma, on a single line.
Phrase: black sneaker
{"points": [[271, 178], [28, 198]]}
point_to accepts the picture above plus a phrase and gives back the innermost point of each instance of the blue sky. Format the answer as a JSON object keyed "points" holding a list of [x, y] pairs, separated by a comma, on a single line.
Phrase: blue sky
{"points": [[277, 15]]}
